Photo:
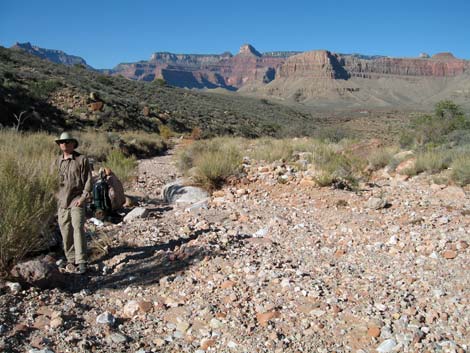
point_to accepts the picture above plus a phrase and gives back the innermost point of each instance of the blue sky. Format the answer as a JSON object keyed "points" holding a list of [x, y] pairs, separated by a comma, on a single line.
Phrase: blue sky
{"points": [[106, 32]]}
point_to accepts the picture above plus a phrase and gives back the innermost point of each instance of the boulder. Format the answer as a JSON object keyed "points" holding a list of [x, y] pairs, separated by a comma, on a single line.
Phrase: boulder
{"points": [[376, 203], [42, 273], [95, 106], [138, 212], [405, 165], [178, 193], [451, 196]]}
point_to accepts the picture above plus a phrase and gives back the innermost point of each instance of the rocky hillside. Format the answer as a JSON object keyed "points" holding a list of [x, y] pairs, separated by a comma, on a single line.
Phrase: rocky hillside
{"points": [[54, 97], [317, 79], [56, 56], [269, 263]]}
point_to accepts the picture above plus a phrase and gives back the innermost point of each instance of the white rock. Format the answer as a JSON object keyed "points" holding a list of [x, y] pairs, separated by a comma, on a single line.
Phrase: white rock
{"points": [[261, 233], [117, 338], [14, 287], [380, 307], [138, 212], [131, 309], [387, 346], [215, 324], [106, 318], [393, 240], [96, 222], [317, 312]]}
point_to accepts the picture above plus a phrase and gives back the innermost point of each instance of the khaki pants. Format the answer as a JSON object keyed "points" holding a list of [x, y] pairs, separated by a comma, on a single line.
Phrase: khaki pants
{"points": [[72, 227]]}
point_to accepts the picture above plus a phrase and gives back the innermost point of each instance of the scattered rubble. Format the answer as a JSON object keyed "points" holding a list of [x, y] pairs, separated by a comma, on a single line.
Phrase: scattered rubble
{"points": [[269, 265]]}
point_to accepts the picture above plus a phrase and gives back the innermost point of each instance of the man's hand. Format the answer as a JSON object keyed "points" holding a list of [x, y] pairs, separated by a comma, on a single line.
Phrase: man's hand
{"points": [[78, 203]]}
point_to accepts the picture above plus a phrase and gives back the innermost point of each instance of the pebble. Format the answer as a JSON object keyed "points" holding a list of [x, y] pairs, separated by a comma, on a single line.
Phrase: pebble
{"points": [[106, 318]]}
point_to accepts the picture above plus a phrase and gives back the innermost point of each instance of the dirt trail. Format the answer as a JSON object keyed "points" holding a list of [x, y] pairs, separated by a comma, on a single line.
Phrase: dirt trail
{"points": [[271, 265]]}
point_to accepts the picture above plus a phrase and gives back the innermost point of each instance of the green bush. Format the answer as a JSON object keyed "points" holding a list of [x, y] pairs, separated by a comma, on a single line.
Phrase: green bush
{"points": [[42, 89], [438, 129], [28, 182], [124, 167]]}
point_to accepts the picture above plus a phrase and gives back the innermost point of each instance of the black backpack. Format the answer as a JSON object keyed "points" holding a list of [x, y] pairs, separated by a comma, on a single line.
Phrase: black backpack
{"points": [[101, 201]]}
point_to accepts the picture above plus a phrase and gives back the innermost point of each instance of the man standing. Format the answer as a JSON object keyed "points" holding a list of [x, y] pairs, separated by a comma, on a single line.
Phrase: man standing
{"points": [[74, 188]]}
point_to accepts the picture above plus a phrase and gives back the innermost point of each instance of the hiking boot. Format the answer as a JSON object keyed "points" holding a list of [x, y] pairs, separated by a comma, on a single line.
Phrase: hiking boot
{"points": [[81, 269], [65, 266]]}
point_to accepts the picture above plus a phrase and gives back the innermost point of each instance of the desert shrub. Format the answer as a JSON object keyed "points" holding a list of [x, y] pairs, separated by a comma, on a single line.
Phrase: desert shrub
{"points": [[196, 133], [270, 150], [211, 162], [461, 169], [331, 134], [433, 161], [381, 157], [28, 182], [159, 82], [124, 167], [43, 88], [142, 144], [334, 167], [436, 129], [165, 132], [95, 145], [406, 139], [104, 80]]}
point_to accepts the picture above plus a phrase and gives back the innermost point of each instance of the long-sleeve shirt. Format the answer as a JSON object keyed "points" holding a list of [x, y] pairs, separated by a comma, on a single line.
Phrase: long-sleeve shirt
{"points": [[74, 179]]}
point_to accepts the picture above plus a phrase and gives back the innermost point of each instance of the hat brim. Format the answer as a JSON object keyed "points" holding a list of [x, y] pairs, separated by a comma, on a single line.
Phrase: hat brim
{"points": [[74, 140]]}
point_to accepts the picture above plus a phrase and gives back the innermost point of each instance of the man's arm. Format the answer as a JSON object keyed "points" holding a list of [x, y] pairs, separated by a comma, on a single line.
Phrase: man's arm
{"points": [[86, 177]]}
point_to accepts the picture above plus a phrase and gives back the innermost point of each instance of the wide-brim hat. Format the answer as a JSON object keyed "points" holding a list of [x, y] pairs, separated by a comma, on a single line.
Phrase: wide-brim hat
{"points": [[66, 136]]}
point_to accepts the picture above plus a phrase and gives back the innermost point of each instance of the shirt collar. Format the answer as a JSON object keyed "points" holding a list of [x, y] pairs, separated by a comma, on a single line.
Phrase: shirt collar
{"points": [[74, 154]]}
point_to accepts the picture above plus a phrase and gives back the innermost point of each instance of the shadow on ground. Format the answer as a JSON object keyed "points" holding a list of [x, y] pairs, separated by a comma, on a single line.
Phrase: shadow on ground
{"points": [[142, 266]]}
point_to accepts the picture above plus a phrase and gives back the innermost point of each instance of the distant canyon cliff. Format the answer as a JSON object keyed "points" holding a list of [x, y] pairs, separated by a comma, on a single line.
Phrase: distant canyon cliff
{"points": [[317, 77], [249, 66]]}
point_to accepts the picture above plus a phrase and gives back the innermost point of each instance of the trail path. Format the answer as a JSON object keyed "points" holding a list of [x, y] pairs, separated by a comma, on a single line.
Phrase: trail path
{"points": [[271, 267]]}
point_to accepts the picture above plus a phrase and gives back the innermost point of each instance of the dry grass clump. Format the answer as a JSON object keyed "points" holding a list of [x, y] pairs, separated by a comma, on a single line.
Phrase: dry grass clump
{"points": [[381, 157], [460, 167], [141, 143], [100, 245], [270, 149], [335, 168], [211, 162], [28, 182], [93, 144], [433, 161], [98, 145]]}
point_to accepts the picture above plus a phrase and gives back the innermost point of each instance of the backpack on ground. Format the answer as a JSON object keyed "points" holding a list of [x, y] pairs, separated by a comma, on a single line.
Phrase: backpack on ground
{"points": [[108, 193]]}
